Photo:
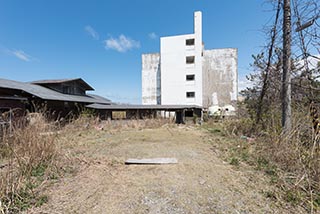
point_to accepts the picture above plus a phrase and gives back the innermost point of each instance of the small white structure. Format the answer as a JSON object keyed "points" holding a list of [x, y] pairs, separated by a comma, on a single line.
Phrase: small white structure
{"points": [[216, 111], [186, 74]]}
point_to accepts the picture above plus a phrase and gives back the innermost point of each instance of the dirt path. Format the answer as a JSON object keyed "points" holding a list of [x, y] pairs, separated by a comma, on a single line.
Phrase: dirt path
{"points": [[199, 183]]}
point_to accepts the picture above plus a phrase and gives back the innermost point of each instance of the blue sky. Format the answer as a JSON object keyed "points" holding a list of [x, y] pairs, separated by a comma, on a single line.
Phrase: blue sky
{"points": [[102, 41]]}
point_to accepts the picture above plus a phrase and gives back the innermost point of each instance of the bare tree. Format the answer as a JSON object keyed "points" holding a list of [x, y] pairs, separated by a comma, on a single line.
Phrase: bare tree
{"points": [[286, 67], [265, 82]]}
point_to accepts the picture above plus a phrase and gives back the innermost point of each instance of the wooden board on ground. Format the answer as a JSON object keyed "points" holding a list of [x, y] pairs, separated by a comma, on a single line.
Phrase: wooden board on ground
{"points": [[152, 161]]}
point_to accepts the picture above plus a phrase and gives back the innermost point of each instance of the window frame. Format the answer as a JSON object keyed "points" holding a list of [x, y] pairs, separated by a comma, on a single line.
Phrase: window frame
{"points": [[193, 77], [190, 60], [190, 42], [190, 94]]}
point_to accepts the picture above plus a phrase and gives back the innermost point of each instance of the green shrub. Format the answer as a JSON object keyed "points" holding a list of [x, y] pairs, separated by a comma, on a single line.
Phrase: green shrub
{"points": [[234, 161]]}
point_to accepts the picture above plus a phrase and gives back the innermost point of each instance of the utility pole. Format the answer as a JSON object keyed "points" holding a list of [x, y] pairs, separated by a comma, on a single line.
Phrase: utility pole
{"points": [[286, 68]]}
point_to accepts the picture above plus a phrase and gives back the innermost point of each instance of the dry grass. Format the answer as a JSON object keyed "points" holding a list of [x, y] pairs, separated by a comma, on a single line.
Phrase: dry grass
{"points": [[292, 160], [199, 183], [32, 155], [88, 122], [93, 152], [27, 158]]}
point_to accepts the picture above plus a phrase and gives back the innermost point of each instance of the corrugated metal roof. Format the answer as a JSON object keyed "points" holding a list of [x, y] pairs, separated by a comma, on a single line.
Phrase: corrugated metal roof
{"points": [[48, 94], [59, 81], [55, 80], [142, 107], [100, 98]]}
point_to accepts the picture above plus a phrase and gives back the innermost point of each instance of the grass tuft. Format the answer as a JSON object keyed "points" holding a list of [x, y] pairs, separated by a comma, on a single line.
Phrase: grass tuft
{"points": [[291, 161], [28, 152]]}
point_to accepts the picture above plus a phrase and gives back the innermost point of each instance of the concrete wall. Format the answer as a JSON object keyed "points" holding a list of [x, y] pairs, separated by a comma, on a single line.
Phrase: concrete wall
{"points": [[220, 79], [151, 79], [216, 80], [174, 68]]}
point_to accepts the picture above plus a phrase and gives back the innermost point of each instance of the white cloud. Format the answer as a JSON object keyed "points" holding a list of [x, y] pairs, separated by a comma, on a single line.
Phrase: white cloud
{"points": [[121, 44], [153, 35], [91, 32], [21, 55]]}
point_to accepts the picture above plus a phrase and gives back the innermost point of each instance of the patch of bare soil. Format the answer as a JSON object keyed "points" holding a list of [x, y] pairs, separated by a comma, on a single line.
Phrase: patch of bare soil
{"points": [[199, 183]]}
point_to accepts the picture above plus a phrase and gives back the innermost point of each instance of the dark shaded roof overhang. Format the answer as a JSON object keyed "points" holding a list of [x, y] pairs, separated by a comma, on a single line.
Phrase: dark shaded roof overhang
{"points": [[13, 98], [84, 84], [143, 107]]}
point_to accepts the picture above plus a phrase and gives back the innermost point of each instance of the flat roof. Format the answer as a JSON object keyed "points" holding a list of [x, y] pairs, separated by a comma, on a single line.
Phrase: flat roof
{"points": [[142, 107]]}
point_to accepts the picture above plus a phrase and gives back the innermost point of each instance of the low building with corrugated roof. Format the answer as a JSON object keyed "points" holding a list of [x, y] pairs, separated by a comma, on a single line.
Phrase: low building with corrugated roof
{"points": [[59, 97]]}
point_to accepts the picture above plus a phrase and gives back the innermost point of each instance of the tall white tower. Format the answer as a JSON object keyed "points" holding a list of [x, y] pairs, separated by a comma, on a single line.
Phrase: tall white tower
{"points": [[181, 67], [186, 74], [198, 52]]}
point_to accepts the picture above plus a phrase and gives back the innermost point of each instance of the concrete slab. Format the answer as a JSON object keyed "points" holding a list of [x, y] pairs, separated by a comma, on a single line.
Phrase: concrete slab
{"points": [[148, 161]]}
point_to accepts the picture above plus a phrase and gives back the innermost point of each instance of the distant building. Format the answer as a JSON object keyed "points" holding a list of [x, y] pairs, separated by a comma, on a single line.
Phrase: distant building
{"points": [[68, 97], [184, 73]]}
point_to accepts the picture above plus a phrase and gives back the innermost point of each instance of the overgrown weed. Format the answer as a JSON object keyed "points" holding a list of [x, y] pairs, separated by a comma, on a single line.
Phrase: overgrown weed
{"points": [[36, 151], [291, 161], [29, 156]]}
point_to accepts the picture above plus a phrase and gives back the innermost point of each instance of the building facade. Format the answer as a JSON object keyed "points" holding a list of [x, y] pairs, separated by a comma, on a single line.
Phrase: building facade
{"points": [[184, 73], [59, 97]]}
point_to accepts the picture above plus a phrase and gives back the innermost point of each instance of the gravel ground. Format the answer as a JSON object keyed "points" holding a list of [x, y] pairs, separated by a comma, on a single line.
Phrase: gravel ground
{"points": [[200, 183]]}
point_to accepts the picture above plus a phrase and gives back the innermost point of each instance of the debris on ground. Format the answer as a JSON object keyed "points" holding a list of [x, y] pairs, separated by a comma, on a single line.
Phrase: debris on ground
{"points": [[152, 161]]}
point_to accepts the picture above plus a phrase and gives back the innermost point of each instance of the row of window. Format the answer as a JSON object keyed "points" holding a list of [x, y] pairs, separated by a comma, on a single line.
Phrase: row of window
{"points": [[190, 60]]}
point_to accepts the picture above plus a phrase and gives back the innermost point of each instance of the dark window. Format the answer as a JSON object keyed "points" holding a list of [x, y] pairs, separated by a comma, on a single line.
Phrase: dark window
{"points": [[189, 42], [190, 77], [190, 59], [188, 113], [66, 89], [190, 94]]}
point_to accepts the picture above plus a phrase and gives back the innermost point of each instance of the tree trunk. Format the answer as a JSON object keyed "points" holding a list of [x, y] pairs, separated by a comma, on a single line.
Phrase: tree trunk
{"points": [[286, 75], [267, 70]]}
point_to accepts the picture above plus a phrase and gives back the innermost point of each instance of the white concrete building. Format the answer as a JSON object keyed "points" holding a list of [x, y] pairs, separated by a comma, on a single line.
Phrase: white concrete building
{"points": [[186, 74]]}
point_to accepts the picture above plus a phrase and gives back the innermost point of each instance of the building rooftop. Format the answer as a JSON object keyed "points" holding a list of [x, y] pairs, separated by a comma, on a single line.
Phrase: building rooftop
{"points": [[85, 85], [48, 94]]}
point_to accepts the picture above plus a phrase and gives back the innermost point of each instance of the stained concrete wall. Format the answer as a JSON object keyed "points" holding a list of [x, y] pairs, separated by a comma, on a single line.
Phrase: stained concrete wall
{"points": [[220, 79], [151, 79], [215, 72]]}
